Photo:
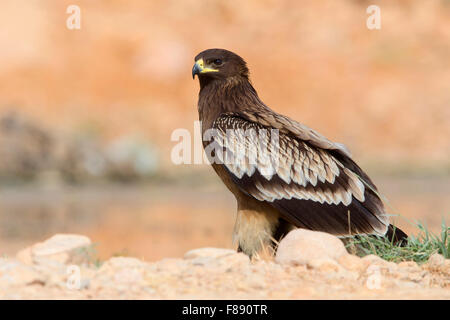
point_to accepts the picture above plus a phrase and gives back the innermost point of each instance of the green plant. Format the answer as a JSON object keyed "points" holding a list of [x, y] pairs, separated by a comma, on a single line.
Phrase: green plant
{"points": [[419, 248]]}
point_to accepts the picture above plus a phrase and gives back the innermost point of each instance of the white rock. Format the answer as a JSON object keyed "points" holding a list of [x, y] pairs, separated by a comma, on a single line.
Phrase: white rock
{"points": [[301, 246], [59, 249]]}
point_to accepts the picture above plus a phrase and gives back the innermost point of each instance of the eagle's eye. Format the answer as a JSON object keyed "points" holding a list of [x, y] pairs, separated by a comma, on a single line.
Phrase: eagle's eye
{"points": [[217, 62]]}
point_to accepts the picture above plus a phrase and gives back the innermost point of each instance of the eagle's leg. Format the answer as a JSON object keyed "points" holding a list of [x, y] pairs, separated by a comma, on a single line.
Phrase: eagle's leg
{"points": [[281, 231], [255, 227]]}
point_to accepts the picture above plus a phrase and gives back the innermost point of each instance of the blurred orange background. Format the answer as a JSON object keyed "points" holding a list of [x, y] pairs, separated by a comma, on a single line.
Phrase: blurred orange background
{"points": [[384, 93]]}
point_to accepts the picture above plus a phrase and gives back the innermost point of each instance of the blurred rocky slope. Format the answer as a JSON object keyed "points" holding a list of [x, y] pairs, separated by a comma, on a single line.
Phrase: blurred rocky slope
{"points": [[385, 93], [28, 151]]}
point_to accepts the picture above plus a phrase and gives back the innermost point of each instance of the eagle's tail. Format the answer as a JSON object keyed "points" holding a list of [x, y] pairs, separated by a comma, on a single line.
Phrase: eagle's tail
{"points": [[396, 235]]}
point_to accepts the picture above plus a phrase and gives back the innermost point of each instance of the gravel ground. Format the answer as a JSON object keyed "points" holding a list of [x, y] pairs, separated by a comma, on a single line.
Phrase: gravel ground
{"points": [[61, 268]]}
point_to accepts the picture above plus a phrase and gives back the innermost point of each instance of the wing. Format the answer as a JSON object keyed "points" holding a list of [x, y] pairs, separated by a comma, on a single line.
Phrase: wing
{"points": [[315, 188], [268, 118]]}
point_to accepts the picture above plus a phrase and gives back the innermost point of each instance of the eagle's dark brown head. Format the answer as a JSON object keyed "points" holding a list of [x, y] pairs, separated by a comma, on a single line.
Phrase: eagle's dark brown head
{"points": [[219, 64]]}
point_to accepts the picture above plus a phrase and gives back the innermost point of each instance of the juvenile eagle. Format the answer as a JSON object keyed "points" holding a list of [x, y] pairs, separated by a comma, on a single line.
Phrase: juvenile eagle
{"points": [[315, 184]]}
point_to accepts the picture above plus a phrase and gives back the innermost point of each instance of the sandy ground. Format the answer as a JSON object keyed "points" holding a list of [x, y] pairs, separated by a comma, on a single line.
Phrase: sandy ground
{"points": [[60, 269]]}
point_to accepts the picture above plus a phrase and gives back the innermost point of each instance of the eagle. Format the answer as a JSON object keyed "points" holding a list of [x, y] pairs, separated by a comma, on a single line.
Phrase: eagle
{"points": [[302, 180]]}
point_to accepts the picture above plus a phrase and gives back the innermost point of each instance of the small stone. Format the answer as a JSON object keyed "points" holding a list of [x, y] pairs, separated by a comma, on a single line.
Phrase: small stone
{"points": [[408, 265], [352, 263], [201, 261], [235, 259], [123, 262], [301, 246], [119, 273], [446, 268], [373, 259], [391, 266], [436, 261], [222, 263], [416, 276], [325, 265], [208, 252], [116, 264]]}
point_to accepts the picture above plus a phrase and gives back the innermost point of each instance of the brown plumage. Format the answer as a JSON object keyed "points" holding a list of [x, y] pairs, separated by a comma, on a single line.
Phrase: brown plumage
{"points": [[314, 183]]}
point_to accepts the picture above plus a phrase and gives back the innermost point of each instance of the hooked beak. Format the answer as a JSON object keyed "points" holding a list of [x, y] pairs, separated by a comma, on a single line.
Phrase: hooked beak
{"points": [[195, 70], [199, 67]]}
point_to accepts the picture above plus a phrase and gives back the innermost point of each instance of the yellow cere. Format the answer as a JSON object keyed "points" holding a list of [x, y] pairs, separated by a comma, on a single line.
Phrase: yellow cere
{"points": [[200, 64]]}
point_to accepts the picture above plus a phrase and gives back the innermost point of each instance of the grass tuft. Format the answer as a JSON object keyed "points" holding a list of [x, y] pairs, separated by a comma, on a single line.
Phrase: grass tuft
{"points": [[418, 249]]}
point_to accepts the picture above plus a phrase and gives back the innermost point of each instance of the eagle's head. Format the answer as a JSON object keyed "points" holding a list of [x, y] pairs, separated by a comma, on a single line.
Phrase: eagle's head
{"points": [[219, 64]]}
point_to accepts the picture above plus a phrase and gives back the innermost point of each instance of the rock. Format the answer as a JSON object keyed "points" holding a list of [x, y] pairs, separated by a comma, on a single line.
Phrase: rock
{"points": [[208, 252], [383, 265], [25, 256], [436, 261], [352, 263], [171, 265], [446, 267], [235, 259], [15, 273], [302, 246], [120, 273], [222, 263], [373, 259], [60, 249], [210, 273], [325, 265], [410, 265], [122, 262]]}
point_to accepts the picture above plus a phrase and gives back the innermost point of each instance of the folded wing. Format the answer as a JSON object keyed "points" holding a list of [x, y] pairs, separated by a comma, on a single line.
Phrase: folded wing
{"points": [[311, 181]]}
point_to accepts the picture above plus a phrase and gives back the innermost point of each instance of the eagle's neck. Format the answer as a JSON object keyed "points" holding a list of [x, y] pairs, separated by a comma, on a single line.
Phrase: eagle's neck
{"points": [[223, 96]]}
